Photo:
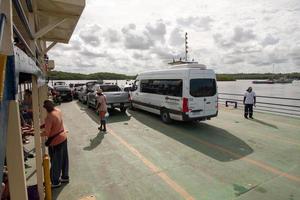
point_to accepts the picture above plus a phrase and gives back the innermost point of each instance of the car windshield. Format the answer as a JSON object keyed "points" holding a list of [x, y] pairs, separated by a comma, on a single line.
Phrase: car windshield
{"points": [[110, 88], [62, 88], [203, 87]]}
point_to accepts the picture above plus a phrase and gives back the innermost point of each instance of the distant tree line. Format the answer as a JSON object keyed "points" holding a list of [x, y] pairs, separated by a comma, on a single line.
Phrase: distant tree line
{"points": [[252, 76], [59, 75]]}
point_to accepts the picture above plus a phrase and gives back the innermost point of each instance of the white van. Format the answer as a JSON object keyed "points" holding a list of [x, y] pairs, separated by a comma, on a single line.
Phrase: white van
{"points": [[185, 92]]}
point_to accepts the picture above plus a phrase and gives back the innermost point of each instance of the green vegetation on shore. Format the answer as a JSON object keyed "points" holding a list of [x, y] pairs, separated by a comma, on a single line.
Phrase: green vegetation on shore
{"points": [[58, 75], [254, 76]]}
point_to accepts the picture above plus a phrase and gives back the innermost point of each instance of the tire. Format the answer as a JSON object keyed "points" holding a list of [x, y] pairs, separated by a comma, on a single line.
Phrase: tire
{"points": [[165, 116], [123, 109]]}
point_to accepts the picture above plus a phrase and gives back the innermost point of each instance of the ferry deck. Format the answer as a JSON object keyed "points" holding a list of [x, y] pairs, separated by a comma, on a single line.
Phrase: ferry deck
{"points": [[140, 157]]}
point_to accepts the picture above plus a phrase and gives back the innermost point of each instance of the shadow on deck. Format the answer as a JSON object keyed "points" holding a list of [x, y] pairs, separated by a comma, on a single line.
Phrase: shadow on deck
{"points": [[212, 141], [115, 115]]}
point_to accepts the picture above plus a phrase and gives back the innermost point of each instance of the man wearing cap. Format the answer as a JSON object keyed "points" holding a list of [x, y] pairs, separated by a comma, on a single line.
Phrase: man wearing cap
{"points": [[249, 101], [58, 146], [101, 108]]}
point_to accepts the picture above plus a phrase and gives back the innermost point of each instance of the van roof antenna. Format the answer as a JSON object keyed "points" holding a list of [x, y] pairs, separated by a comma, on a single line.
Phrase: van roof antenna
{"points": [[186, 47]]}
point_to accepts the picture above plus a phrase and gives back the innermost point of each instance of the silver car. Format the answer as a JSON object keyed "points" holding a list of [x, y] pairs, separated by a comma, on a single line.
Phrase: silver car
{"points": [[115, 97]]}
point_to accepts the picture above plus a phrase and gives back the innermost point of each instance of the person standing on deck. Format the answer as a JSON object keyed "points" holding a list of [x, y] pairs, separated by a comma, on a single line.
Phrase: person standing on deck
{"points": [[58, 147], [102, 109], [249, 101]]}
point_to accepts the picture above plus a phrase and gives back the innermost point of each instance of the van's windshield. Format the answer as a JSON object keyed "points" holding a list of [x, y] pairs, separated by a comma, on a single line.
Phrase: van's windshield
{"points": [[203, 87]]}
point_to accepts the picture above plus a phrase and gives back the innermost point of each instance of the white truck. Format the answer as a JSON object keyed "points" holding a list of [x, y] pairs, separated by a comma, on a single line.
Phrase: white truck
{"points": [[115, 97]]}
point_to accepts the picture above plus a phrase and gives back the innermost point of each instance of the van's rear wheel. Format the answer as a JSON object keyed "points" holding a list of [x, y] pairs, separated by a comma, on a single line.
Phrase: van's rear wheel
{"points": [[165, 116]]}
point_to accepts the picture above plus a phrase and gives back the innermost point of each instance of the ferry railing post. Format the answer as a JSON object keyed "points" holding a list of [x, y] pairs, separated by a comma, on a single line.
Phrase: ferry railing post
{"points": [[37, 137], [42, 98], [14, 154], [46, 163]]}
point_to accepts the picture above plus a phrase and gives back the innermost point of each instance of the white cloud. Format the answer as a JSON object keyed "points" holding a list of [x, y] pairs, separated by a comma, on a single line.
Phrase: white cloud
{"points": [[228, 36], [270, 40], [176, 37], [241, 35], [136, 40], [90, 35], [156, 31], [199, 23]]}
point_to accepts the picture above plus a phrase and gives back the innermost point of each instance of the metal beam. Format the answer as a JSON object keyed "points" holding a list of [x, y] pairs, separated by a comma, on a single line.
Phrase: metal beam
{"points": [[60, 40], [29, 5], [19, 35], [32, 55], [49, 47], [48, 28], [23, 17], [56, 14], [6, 46]]}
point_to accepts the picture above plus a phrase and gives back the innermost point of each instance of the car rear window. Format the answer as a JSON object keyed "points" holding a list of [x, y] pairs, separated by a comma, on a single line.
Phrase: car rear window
{"points": [[62, 89], [110, 88], [203, 87]]}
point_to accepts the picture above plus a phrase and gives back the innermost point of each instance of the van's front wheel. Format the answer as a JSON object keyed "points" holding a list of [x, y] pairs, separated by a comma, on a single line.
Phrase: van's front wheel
{"points": [[165, 116]]}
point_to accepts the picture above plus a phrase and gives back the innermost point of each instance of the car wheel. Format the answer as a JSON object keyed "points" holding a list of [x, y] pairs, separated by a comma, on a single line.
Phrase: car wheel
{"points": [[123, 109], [165, 116]]}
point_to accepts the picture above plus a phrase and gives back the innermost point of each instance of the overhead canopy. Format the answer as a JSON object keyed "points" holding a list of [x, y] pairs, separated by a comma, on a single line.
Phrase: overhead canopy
{"points": [[59, 16]]}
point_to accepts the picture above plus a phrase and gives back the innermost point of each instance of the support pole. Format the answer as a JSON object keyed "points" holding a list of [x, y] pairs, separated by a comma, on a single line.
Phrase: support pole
{"points": [[43, 113], [14, 154], [37, 137], [46, 165], [6, 46], [49, 47]]}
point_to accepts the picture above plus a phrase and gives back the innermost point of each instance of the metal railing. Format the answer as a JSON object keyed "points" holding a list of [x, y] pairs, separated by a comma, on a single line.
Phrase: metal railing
{"points": [[270, 104]]}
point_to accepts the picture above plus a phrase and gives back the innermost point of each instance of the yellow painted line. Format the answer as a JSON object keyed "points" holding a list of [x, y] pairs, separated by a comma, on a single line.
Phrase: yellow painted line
{"points": [[180, 190], [250, 161]]}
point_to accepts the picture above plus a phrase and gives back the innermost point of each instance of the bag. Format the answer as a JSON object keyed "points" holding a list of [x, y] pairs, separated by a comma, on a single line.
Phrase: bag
{"points": [[49, 140]]}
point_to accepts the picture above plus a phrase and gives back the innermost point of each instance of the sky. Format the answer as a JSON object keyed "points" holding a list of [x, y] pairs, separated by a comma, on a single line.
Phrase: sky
{"points": [[229, 36]]}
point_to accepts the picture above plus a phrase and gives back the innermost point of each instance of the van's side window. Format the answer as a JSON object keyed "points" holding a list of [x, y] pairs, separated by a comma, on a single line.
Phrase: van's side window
{"points": [[169, 87], [203, 87]]}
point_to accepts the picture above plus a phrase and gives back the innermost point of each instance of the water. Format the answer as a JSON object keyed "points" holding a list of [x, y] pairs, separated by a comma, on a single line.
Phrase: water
{"points": [[271, 90], [274, 90]]}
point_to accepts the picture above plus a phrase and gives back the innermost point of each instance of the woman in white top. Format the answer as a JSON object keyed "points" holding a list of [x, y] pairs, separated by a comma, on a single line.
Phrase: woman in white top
{"points": [[249, 101]]}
